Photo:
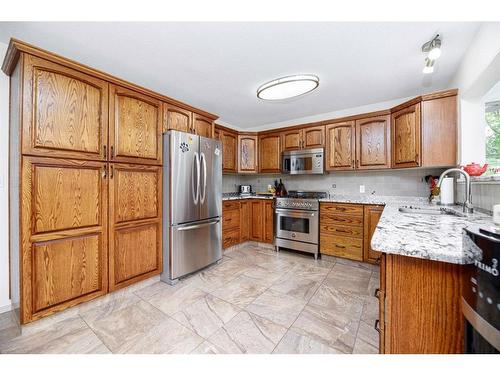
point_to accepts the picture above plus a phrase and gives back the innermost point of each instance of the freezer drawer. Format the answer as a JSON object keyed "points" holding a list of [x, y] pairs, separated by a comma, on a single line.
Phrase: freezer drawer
{"points": [[194, 246]]}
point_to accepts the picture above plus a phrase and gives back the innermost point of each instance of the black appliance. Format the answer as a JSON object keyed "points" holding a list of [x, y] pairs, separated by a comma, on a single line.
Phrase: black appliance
{"points": [[481, 294]]}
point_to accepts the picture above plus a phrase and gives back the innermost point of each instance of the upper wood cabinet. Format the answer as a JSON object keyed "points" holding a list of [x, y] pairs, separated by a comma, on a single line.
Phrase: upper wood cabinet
{"points": [[202, 125], [310, 137], [135, 235], [135, 127], [64, 221], [406, 137], [340, 146], [373, 142], [270, 153], [229, 142], [247, 154], [65, 112], [175, 118]]}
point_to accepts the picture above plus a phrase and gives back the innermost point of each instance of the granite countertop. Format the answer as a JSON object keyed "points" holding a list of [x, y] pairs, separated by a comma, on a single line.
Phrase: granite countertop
{"points": [[433, 237]]}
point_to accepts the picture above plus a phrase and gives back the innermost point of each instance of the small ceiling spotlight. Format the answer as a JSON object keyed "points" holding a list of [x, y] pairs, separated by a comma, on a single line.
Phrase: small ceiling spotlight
{"points": [[429, 66]]}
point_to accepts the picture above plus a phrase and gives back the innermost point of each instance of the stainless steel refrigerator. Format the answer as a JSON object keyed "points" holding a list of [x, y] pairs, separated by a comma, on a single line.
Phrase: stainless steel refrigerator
{"points": [[192, 203]]}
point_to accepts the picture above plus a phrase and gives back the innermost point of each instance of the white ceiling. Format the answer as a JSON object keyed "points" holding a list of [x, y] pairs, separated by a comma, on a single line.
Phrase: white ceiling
{"points": [[218, 66]]}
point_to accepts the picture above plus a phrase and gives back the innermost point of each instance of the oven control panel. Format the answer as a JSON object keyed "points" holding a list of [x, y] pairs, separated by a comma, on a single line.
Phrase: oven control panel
{"points": [[298, 204]]}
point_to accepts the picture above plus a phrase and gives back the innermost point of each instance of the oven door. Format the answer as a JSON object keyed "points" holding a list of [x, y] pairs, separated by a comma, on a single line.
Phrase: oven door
{"points": [[297, 225]]}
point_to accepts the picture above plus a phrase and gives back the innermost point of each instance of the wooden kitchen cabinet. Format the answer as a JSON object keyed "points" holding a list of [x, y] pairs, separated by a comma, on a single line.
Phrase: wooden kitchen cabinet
{"points": [[202, 126], [135, 127], [229, 142], [340, 146], [245, 220], [371, 218], [257, 219], [176, 118], [270, 153], [291, 139], [135, 241], [420, 306], [302, 138], [268, 221], [64, 112], [64, 227], [248, 154], [406, 137], [373, 142]]}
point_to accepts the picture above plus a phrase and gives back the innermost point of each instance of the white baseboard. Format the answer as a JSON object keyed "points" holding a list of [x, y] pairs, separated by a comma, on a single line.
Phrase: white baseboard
{"points": [[5, 308]]}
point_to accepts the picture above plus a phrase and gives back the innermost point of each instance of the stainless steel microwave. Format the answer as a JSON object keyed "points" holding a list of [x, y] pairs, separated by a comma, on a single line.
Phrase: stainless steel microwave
{"points": [[303, 161]]}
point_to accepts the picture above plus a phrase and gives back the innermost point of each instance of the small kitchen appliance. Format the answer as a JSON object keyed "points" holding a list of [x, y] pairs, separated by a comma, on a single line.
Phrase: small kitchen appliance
{"points": [[245, 189], [303, 161]]}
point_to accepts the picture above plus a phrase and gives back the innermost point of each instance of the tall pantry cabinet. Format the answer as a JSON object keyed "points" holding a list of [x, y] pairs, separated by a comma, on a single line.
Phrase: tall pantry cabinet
{"points": [[85, 182]]}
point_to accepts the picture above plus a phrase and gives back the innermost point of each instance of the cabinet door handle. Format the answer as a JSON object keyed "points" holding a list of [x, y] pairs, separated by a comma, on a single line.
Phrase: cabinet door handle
{"points": [[112, 152], [111, 172], [105, 153], [377, 325], [378, 261], [104, 172], [377, 293]]}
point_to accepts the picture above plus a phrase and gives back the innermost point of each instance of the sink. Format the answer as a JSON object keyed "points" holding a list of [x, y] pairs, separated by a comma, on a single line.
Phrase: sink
{"points": [[415, 210]]}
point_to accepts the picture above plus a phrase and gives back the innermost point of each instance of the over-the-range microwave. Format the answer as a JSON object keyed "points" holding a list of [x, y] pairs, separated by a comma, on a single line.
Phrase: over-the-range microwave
{"points": [[303, 161]]}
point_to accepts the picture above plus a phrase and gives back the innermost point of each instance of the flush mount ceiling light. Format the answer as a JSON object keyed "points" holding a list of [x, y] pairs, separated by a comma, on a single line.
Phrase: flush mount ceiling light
{"points": [[429, 66], [288, 87]]}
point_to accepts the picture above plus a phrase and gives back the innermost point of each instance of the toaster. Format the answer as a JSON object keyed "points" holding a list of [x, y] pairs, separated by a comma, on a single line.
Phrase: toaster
{"points": [[246, 189]]}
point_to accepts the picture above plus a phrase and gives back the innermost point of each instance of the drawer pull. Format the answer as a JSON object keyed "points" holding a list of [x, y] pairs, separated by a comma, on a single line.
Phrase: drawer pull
{"points": [[379, 260], [377, 325], [377, 293], [340, 246]]}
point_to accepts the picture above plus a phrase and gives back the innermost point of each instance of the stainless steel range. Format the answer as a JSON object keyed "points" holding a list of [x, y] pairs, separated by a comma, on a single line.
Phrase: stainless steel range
{"points": [[296, 221]]}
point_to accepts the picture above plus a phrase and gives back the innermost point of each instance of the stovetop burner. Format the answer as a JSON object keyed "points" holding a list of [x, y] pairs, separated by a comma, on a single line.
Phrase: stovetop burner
{"points": [[307, 194]]}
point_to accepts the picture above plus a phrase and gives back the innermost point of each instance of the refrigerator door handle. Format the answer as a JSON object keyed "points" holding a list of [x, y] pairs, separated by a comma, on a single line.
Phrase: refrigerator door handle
{"points": [[196, 193], [202, 196], [196, 226]]}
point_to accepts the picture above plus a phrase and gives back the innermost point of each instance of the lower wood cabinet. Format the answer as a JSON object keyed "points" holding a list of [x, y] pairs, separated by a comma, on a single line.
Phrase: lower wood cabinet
{"points": [[244, 220], [64, 243], [420, 306], [256, 221], [371, 218], [135, 238]]}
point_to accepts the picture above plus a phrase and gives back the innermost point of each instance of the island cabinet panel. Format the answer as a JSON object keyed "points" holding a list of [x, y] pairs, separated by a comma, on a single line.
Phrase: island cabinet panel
{"points": [[64, 221], [135, 127], [248, 154], [313, 137], [229, 142], [340, 146], [65, 112], [202, 126], [420, 303], [270, 153], [406, 133], [135, 242], [372, 215], [175, 118], [373, 143]]}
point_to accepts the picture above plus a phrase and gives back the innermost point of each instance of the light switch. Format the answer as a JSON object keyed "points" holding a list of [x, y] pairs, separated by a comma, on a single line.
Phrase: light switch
{"points": [[361, 188]]}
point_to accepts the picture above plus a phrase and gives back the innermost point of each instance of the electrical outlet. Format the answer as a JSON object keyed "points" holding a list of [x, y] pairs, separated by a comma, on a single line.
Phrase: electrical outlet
{"points": [[361, 188]]}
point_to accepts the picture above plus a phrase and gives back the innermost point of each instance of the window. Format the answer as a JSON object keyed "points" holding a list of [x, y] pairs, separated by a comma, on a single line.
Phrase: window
{"points": [[492, 117]]}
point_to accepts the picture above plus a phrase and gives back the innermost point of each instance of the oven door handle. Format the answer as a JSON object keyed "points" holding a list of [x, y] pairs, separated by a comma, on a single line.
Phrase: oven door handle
{"points": [[294, 213]]}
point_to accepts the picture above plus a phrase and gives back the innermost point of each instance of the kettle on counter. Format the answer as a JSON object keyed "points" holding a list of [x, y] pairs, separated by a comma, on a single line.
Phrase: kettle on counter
{"points": [[474, 169]]}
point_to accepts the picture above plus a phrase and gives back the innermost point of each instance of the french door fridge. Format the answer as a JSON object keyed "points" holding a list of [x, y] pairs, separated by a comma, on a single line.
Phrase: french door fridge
{"points": [[192, 203]]}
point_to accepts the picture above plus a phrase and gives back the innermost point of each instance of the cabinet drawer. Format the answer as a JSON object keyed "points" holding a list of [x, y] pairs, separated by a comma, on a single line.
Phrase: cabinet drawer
{"points": [[340, 246], [335, 219], [230, 219], [341, 230], [231, 205], [342, 209], [230, 237]]}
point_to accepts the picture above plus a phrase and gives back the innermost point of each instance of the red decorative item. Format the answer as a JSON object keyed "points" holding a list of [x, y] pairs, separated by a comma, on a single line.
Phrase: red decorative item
{"points": [[474, 169]]}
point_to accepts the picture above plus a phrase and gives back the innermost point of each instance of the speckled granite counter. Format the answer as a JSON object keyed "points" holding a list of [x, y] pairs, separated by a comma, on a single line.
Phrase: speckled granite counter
{"points": [[235, 197], [418, 235]]}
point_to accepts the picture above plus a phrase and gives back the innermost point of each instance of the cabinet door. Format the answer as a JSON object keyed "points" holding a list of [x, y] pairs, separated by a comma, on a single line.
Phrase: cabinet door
{"points": [[202, 126], [257, 218], [175, 118], [313, 137], [270, 153], [268, 221], [247, 153], [373, 143], [229, 142], [135, 238], [245, 221], [372, 216], [135, 130], [291, 139], [65, 112], [340, 147], [63, 234], [406, 137]]}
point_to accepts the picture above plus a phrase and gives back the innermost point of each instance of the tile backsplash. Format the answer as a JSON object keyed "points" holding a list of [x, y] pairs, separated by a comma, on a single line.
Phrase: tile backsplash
{"points": [[484, 194], [408, 182]]}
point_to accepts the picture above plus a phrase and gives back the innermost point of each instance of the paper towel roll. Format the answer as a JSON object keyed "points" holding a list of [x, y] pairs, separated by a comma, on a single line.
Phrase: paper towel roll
{"points": [[447, 194]]}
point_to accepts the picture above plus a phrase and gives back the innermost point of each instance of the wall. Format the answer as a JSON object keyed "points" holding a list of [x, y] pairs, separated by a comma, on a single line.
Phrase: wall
{"points": [[4, 191], [409, 182]]}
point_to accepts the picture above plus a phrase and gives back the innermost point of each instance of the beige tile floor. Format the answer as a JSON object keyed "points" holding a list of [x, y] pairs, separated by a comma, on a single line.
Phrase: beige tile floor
{"points": [[254, 301]]}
